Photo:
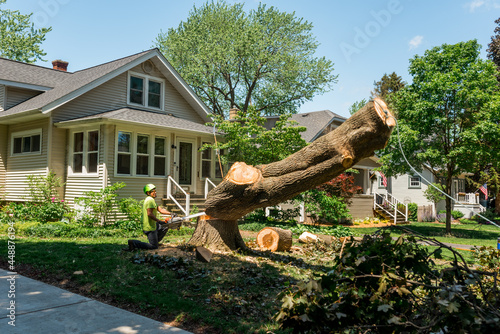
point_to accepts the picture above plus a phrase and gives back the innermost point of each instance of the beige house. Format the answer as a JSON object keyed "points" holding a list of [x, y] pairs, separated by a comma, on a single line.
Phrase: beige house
{"points": [[131, 120]]}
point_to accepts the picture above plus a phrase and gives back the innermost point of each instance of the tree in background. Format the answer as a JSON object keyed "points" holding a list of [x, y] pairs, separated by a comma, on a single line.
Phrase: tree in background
{"points": [[19, 40], [383, 88], [445, 115], [388, 85], [263, 59], [494, 46], [248, 140], [357, 105]]}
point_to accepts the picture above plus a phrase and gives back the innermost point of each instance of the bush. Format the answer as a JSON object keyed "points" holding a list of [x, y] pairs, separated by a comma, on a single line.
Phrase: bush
{"points": [[42, 212], [133, 210], [489, 214], [454, 213], [324, 208], [441, 217], [412, 212], [381, 285]]}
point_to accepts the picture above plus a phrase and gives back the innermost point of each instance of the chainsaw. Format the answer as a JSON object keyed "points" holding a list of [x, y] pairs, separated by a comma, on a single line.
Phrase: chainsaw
{"points": [[176, 222]]}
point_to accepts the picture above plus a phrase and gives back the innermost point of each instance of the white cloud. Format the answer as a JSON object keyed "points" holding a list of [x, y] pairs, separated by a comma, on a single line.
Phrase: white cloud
{"points": [[416, 41], [474, 4], [488, 4]]}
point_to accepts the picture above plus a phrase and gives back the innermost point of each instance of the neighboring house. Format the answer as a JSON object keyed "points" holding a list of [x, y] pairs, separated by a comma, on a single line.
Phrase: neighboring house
{"points": [[131, 120]]}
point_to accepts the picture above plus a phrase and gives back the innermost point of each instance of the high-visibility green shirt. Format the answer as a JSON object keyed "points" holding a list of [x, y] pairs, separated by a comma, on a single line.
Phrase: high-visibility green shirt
{"points": [[149, 224]]}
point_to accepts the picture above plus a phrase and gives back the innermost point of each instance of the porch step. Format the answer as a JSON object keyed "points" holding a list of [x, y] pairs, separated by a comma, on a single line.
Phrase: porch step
{"points": [[399, 218], [198, 200]]}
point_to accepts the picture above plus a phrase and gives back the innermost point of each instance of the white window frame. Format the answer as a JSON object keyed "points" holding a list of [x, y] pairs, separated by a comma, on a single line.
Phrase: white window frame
{"points": [[164, 155], [25, 134], [146, 79], [410, 186], [133, 154], [85, 152]]}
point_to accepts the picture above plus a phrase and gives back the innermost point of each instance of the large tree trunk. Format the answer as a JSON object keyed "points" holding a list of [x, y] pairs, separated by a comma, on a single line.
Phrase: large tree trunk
{"points": [[246, 188]]}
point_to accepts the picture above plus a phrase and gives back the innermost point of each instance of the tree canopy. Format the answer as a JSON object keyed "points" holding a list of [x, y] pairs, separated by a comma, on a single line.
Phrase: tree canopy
{"points": [[446, 115], [247, 138], [263, 58], [494, 46], [19, 40], [387, 85]]}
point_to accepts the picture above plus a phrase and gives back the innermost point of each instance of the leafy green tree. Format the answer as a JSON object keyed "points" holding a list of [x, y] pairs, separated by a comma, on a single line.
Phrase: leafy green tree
{"points": [[247, 139], [19, 40], [357, 105], [387, 85], [494, 46], [264, 58], [445, 115]]}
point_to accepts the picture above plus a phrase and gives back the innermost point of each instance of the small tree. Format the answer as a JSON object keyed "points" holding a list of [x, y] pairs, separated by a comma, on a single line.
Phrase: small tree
{"points": [[434, 195], [246, 138], [43, 189], [100, 204]]}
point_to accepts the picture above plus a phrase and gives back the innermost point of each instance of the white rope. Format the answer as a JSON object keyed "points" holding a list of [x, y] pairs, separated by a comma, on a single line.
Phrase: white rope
{"points": [[420, 175]]}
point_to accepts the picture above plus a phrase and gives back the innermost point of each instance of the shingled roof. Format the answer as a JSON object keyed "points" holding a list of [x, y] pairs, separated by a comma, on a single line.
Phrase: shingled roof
{"points": [[141, 117], [63, 83]]}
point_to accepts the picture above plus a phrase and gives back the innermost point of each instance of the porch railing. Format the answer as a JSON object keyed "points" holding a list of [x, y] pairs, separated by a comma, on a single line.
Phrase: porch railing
{"points": [[467, 198], [172, 186], [390, 205], [208, 184]]}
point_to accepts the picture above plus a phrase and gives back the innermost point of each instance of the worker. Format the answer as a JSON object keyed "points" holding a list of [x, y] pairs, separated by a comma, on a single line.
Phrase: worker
{"points": [[153, 227]]}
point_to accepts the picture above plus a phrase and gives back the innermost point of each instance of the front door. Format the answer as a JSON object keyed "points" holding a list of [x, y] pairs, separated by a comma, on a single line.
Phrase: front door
{"points": [[185, 163]]}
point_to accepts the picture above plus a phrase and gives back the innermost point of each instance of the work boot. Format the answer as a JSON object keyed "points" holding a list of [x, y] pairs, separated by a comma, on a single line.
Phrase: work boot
{"points": [[130, 247]]}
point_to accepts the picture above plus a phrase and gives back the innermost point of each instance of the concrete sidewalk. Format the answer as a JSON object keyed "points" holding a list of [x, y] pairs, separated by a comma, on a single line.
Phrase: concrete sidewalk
{"points": [[36, 307]]}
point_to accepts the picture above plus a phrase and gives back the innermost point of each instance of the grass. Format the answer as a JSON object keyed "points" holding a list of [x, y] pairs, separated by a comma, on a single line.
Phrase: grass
{"points": [[463, 234], [234, 293]]}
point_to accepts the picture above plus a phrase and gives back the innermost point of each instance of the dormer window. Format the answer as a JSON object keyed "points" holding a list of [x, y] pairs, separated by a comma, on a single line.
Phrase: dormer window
{"points": [[145, 91]]}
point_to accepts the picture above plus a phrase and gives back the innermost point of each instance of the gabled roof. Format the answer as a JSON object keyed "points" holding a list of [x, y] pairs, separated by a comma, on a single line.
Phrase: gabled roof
{"points": [[314, 122], [139, 117], [66, 86]]}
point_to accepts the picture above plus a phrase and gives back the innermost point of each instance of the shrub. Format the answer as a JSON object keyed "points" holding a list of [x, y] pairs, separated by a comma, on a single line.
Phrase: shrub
{"points": [[489, 214], [133, 210], [98, 205], [323, 207], [441, 217], [43, 189], [412, 212]]}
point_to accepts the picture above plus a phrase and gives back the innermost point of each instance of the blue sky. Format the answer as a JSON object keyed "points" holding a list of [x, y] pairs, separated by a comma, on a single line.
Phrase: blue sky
{"points": [[364, 39]]}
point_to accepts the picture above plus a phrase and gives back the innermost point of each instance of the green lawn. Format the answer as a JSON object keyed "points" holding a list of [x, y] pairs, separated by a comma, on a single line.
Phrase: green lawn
{"points": [[234, 293], [463, 234]]}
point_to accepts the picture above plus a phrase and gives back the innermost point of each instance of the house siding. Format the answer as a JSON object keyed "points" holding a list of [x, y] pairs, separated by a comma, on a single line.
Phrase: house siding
{"points": [[3, 158], [111, 95], [20, 166], [57, 153], [2, 98], [402, 191], [174, 102], [14, 96]]}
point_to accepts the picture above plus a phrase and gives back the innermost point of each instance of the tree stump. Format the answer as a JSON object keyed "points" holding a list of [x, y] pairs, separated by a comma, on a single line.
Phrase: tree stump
{"points": [[217, 234], [275, 239]]}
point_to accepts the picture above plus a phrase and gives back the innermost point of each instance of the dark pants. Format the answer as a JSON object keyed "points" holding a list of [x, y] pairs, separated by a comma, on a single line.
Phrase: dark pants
{"points": [[154, 237]]}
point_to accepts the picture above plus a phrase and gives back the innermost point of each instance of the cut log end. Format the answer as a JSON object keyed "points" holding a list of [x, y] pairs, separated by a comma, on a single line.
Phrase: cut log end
{"points": [[241, 173], [384, 112], [274, 239]]}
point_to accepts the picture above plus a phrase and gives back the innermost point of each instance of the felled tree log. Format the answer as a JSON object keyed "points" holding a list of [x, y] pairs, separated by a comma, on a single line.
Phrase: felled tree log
{"points": [[274, 239], [246, 188]]}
